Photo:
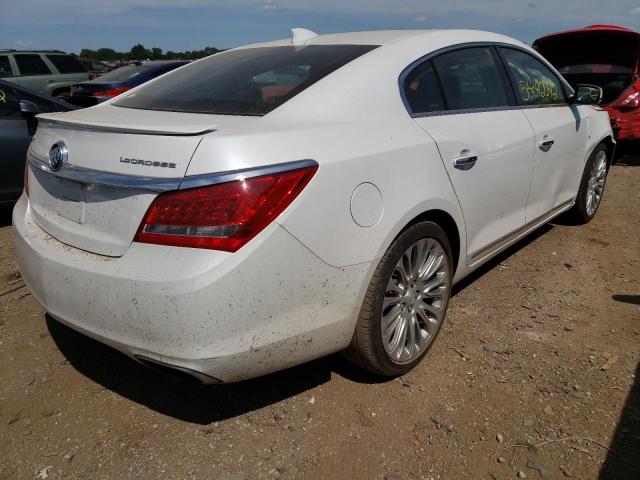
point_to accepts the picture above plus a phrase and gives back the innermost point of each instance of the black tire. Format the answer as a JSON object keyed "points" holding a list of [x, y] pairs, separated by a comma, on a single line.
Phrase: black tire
{"points": [[579, 214], [366, 347]]}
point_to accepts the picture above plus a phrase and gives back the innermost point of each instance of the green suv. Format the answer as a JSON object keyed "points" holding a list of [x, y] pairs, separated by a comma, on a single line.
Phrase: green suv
{"points": [[50, 72]]}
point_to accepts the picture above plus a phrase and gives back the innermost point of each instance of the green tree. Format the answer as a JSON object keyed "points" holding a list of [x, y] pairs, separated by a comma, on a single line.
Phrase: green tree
{"points": [[138, 52], [108, 54], [156, 54], [88, 53]]}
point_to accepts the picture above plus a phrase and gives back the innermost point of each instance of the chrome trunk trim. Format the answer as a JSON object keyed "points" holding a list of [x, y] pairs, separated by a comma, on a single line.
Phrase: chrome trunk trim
{"points": [[158, 184], [233, 175]]}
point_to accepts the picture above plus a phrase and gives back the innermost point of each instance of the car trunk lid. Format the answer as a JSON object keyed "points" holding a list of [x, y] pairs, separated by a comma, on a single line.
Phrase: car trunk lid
{"points": [[118, 161], [594, 45]]}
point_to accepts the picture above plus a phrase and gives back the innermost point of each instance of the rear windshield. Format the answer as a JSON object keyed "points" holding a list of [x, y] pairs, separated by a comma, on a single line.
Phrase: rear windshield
{"points": [[121, 74], [249, 81]]}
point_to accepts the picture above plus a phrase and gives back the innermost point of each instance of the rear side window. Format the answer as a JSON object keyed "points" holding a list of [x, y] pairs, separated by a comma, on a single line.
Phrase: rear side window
{"points": [[535, 84], [9, 102], [422, 91], [471, 79], [30, 64], [66, 64], [5, 67], [247, 81]]}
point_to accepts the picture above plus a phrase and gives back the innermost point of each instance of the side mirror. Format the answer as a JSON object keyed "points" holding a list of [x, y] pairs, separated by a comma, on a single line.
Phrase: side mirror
{"points": [[29, 109], [587, 95]]}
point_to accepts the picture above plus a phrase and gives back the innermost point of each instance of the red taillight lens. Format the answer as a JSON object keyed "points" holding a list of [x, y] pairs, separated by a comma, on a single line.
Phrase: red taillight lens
{"points": [[224, 216], [110, 92], [630, 98]]}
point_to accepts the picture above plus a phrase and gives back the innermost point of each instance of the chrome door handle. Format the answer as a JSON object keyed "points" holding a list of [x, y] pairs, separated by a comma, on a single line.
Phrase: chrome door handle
{"points": [[546, 143], [465, 163]]}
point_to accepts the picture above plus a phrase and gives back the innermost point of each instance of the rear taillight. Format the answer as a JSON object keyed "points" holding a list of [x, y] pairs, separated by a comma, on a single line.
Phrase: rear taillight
{"points": [[224, 216], [630, 98], [110, 92]]}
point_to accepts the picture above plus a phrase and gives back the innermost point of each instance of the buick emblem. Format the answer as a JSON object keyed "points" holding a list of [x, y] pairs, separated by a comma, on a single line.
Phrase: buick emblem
{"points": [[58, 156]]}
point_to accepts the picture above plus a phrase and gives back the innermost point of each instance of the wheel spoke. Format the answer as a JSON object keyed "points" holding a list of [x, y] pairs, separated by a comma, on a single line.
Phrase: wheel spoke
{"points": [[431, 288], [403, 269], [399, 339], [390, 301], [433, 263], [391, 326], [430, 324], [412, 334], [434, 310]]}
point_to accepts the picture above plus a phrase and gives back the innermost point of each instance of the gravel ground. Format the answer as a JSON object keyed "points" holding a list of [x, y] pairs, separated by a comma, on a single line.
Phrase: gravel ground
{"points": [[535, 375]]}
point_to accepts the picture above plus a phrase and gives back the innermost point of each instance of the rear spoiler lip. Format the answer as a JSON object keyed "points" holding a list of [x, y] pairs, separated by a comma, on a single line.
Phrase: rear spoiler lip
{"points": [[98, 127]]}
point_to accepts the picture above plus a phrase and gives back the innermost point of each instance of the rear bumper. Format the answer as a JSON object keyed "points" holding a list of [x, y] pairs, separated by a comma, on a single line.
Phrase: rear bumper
{"points": [[271, 305]]}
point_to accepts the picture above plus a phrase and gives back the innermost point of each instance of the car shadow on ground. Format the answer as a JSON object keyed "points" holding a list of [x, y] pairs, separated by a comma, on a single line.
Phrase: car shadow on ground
{"points": [[177, 397], [202, 404], [629, 160], [623, 456], [501, 257], [5, 215], [632, 299]]}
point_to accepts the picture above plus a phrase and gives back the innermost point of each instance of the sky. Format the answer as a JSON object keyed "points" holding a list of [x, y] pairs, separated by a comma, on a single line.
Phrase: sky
{"points": [[179, 25]]}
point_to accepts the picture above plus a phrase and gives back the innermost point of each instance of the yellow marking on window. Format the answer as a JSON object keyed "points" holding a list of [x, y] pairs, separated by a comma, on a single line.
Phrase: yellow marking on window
{"points": [[540, 89], [3, 97]]}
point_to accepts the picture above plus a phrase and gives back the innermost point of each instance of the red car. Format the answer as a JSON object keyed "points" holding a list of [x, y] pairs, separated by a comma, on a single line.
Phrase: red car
{"points": [[607, 56]]}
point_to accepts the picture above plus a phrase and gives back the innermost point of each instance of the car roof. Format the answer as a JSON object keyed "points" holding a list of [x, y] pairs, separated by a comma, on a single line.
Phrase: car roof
{"points": [[12, 50], [387, 37]]}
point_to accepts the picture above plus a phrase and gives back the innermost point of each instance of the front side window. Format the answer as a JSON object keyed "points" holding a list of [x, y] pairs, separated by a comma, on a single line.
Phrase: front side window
{"points": [[66, 63], [471, 79], [422, 91], [535, 83], [30, 64], [247, 81], [5, 67]]}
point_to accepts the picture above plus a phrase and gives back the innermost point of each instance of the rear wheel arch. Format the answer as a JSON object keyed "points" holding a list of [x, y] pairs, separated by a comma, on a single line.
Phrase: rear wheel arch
{"points": [[445, 221], [610, 143]]}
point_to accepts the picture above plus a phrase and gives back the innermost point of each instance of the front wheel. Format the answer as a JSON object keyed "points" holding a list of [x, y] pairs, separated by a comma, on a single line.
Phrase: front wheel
{"points": [[591, 188], [406, 301]]}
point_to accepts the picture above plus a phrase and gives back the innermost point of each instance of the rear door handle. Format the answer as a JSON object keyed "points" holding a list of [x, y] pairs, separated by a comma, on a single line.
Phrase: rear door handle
{"points": [[466, 161], [546, 143]]}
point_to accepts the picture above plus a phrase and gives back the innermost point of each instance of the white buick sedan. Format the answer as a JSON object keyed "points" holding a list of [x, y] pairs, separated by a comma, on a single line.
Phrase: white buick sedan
{"points": [[279, 202]]}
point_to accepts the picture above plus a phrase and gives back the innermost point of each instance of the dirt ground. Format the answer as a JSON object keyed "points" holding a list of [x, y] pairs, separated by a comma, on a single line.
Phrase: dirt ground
{"points": [[536, 375]]}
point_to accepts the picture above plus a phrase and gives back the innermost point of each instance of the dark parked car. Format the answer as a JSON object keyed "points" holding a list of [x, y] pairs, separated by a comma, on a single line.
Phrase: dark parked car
{"points": [[109, 85], [94, 67], [607, 56], [18, 108]]}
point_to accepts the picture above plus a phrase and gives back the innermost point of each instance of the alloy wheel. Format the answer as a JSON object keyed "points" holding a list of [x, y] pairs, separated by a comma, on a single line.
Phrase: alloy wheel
{"points": [[595, 186], [415, 300]]}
